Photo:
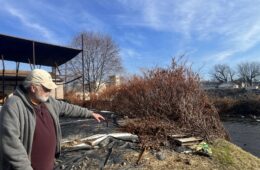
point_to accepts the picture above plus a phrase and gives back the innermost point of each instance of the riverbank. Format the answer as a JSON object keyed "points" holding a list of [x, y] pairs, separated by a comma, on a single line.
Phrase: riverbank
{"points": [[225, 156], [244, 132], [236, 102]]}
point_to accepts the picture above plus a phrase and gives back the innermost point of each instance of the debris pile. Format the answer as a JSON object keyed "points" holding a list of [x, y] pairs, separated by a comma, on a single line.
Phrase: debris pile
{"points": [[94, 148], [90, 145], [97, 152]]}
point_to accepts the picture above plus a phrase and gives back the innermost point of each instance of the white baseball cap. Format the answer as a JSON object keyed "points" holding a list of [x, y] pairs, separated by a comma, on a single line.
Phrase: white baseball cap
{"points": [[41, 77]]}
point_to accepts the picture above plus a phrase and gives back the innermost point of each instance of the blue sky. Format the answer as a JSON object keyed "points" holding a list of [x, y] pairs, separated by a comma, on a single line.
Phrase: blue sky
{"points": [[148, 32]]}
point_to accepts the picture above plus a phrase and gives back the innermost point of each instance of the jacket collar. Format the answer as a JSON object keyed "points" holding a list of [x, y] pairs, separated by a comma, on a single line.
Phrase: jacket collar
{"points": [[23, 94]]}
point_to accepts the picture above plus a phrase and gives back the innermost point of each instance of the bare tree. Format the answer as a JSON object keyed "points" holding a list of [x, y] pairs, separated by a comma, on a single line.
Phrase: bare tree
{"points": [[101, 59], [248, 72], [232, 74], [223, 73]]}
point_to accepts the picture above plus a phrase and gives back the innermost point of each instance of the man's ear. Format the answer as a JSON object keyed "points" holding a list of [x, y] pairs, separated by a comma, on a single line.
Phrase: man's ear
{"points": [[33, 88]]}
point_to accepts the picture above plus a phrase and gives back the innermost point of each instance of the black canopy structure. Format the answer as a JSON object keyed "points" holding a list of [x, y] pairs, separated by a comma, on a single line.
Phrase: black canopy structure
{"points": [[34, 52], [22, 50]]}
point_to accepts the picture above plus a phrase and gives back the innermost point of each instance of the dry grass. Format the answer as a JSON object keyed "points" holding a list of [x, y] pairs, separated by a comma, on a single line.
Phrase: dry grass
{"points": [[231, 157], [226, 156], [71, 97], [246, 105]]}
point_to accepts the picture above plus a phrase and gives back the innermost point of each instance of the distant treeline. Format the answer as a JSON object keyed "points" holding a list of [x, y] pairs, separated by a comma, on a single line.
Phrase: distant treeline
{"points": [[247, 73]]}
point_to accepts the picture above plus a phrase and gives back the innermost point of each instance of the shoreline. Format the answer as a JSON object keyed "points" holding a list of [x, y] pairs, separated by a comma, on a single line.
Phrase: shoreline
{"points": [[244, 132], [236, 102]]}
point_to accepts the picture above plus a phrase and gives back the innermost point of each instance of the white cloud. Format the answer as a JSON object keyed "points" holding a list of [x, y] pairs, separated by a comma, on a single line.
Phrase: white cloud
{"points": [[128, 53], [48, 21], [248, 38], [28, 22], [234, 25], [241, 41], [133, 38], [89, 22], [220, 56]]}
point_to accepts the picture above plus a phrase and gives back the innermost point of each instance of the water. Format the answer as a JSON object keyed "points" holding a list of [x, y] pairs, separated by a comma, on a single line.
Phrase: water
{"points": [[245, 133]]}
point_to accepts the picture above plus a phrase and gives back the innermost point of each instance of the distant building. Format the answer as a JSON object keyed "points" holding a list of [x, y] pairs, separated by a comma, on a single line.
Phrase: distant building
{"points": [[254, 87], [207, 85], [79, 95], [228, 85], [256, 83], [113, 80]]}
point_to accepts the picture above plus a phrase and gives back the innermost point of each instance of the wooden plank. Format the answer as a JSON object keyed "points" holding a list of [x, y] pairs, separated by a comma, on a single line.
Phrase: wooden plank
{"points": [[101, 137], [190, 139], [93, 137], [96, 139], [124, 136], [190, 143], [178, 135]]}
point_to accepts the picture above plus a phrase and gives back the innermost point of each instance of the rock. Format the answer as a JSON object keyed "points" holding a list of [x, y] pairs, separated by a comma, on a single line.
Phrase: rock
{"points": [[183, 149], [166, 143], [105, 142], [191, 162], [188, 161], [117, 159], [161, 155], [84, 164], [153, 152], [62, 167], [178, 159], [125, 145]]}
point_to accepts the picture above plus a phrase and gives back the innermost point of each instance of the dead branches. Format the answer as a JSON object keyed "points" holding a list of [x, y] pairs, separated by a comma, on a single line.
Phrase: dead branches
{"points": [[167, 101]]}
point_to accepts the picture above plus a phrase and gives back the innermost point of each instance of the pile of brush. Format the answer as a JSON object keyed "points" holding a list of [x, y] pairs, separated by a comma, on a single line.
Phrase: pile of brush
{"points": [[165, 101]]}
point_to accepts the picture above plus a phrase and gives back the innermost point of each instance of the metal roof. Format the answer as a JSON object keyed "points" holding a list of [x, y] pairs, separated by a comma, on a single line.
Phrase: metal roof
{"points": [[23, 50]]}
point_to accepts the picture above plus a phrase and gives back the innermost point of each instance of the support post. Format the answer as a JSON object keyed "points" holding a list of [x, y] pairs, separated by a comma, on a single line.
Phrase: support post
{"points": [[3, 80], [65, 79], [55, 79], [16, 74], [29, 61], [33, 51]]}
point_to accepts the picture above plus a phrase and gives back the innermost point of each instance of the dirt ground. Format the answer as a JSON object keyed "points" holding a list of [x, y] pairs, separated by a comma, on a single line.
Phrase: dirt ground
{"points": [[226, 156], [172, 161], [124, 155]]}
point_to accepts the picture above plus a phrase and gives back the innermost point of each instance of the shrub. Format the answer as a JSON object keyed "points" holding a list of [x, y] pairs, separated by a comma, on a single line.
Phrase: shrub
{"points": [[166, 101], [72, 98], [247, 104]]}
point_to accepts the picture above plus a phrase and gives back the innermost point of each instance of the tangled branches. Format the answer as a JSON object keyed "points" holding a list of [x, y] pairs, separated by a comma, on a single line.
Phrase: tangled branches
{"points": [[167, 101]]}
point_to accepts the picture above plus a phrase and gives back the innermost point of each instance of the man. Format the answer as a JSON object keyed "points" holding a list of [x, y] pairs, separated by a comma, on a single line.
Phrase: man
{"points": [[30, 132]]}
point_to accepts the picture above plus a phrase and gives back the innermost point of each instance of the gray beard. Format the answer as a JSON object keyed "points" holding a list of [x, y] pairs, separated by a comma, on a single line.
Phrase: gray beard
{"points": [[41, 98]]}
